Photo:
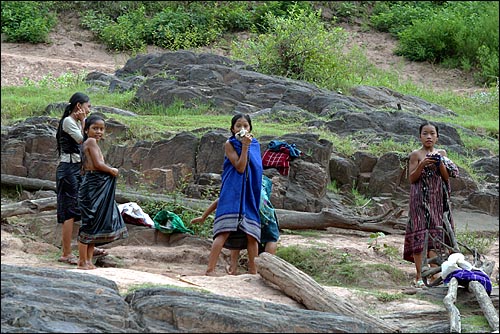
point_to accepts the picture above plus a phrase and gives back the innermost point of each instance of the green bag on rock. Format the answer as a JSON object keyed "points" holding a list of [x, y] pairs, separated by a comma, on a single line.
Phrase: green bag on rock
{"points": [[168, 222]]}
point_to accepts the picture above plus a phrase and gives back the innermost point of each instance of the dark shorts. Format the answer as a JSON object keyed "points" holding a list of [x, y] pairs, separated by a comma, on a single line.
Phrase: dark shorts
{"points": [[269, 233], [68, 181]]}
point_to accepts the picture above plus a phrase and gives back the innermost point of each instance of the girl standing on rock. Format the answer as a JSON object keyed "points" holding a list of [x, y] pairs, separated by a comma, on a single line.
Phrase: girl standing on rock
{"points": [[101, 220], [69, 139], [430, 170], [237, 221]]}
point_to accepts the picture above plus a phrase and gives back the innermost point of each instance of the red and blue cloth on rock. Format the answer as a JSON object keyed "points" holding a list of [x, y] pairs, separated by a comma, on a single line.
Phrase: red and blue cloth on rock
{"points": [[279, 154], [278, 160]]}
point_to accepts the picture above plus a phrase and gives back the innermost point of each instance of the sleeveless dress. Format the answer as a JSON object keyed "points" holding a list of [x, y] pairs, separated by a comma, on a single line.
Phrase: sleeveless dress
{"points": [[429, 208]]}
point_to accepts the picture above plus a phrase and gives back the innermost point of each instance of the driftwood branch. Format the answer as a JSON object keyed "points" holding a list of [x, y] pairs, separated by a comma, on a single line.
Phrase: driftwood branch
{"points": [[292, 220], [304, 289], [449, 303], [29, 206], [298, 220], [486, 304]]}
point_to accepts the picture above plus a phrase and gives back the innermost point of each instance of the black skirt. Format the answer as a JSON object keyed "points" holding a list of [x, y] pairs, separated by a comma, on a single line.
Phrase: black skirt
{"points": [[68, 180], [101, 219]]}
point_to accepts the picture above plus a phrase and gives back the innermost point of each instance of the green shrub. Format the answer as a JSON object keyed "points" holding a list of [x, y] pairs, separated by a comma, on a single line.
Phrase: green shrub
{"points": [[281, 9], [459, 34], [27, 21], [233, 16], [396, 16], [95, 21], [300, 47], [128, 33], [180, 28]]}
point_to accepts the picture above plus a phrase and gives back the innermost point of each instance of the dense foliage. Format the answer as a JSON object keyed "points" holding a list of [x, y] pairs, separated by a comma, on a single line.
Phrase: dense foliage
{"points": [[27, 21], [292, 39], [457, 34]]}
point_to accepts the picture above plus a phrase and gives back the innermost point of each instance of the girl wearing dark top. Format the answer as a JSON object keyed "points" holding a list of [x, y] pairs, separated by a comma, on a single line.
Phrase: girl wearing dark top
{"points": [[69, 138]]}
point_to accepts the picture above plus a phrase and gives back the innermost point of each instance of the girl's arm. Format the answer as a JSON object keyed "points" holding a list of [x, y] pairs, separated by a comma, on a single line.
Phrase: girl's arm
{"points": [[239, 161], [94, 153], [416, 166], [207, 212]]}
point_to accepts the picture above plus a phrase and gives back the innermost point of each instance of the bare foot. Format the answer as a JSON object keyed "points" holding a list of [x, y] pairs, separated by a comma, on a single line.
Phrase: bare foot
{"points": [[91, 265], [83, 265], [230, 271], [252, 269], [211, 273]]}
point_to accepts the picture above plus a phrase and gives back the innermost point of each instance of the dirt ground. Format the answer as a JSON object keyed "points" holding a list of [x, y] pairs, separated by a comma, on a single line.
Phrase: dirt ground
{"points": [[73, 50]]}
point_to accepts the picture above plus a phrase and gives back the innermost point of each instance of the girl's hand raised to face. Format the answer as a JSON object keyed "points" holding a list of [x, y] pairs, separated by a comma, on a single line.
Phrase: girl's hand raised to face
{"points": [[247, 139]]}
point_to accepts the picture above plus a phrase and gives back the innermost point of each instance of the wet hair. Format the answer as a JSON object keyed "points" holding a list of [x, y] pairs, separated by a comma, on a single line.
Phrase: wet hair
{"points": [[237, 117], [73, 101], [89, 121], [430, 124]]}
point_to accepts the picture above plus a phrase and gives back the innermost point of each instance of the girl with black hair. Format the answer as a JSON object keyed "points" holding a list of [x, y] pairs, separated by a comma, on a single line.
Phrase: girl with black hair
{"points": [[69, 139], [101, 220]]}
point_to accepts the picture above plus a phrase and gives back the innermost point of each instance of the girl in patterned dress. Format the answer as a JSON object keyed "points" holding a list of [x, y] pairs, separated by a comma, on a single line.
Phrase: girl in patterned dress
{"points": [[430, 170]]}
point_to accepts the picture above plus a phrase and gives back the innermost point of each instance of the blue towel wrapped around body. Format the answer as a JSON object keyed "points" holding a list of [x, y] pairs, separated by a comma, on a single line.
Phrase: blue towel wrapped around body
{"points": [[238, 208]]}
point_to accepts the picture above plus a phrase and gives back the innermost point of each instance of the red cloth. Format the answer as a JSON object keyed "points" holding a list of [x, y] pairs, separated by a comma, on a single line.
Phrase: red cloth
{"points": [[278, 160]]}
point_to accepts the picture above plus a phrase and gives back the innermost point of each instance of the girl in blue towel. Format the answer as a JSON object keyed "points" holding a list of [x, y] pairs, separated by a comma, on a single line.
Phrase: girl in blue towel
{"points": [[237, 220]]}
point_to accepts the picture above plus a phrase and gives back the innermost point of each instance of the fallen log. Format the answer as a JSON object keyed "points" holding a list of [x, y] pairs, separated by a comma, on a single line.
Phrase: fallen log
{"points": [[486, 304], [305, 290], [449, 303], [292, 220], [29, 207], [299, 220]]}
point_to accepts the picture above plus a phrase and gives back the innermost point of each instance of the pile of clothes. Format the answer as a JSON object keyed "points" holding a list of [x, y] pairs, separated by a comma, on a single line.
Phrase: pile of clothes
{"points": [[279, 154], [456, 266]]}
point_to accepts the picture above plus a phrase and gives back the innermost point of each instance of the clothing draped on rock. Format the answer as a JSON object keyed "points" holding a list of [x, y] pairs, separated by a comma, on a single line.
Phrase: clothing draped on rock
{"points": [[238, 208], [456, 266], [464, 277], [429, 208], [101, 219], [169, 222], [279, 154]]}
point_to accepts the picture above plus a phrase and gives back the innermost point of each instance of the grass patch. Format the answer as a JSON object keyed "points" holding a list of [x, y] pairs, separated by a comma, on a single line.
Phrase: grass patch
{"points": [[133, 288], [389, 297], [475, 324], [334, 267], [302, 233], [479, 241]]}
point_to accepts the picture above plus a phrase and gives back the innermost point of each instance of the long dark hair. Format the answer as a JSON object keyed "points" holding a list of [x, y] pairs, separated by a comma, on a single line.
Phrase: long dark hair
{"points": [[73, 101]]}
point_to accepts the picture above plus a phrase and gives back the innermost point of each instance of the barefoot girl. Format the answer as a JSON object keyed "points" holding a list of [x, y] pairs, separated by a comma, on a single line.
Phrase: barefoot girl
{"points": [[430, 170], [101, 219], [237, 221]]}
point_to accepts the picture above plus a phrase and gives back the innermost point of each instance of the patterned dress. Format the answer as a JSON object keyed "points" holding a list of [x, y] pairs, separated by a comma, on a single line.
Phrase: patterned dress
{"points": [[429, 208]]}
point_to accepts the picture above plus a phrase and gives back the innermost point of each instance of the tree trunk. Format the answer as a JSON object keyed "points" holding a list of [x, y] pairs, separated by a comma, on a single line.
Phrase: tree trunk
{"points": [[292, 220], [298, 220], [449, 303], [302, 288], [486, 304], [29, 206]]}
